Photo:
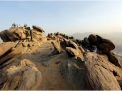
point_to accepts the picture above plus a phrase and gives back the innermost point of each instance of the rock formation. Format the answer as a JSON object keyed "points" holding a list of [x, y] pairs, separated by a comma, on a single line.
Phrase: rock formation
{"points": [[17, 76], [30, 60], [22, 33]]}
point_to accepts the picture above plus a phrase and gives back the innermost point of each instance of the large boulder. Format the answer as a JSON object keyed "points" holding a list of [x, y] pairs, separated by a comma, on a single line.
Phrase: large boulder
{"points": [[6, 47], [76, 53], [37, 28], [23, 33], [103, 45], [13, 34], [6, 36], [85, 43], [57, 47], [106, 46], [73, 50], [38, 34], [93, 39], [24, 76], [100, 73]]}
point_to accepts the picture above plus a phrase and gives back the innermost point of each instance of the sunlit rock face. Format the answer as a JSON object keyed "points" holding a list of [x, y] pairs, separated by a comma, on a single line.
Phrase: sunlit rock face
{"points": [[30, 60], [23, 33]]}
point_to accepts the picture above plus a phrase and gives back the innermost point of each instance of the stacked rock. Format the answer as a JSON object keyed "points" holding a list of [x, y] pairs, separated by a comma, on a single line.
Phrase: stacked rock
{"points": [[103, 46]]}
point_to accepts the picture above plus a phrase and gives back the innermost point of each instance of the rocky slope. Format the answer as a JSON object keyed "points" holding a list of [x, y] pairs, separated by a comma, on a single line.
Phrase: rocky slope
{"points": [[56, 61]]}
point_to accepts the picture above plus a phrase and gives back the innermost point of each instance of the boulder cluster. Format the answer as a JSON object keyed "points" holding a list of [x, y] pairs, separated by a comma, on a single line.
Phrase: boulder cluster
{"points": [[94, 43], [90, 51], [59, 36], [15, 33], [28, 58]]}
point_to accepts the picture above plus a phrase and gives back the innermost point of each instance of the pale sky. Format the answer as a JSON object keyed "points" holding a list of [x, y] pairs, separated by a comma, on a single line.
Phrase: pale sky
{"points": [[64, 16]]}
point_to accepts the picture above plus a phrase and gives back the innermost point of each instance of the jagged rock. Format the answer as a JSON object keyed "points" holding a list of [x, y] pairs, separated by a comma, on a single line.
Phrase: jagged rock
{"points": [[87, 45], [101, 74], [38, 36], [58, 35], [13, 34], [67, 43], [24, 76], [23, 33], [93, 39], [39, 29], [19, 31], [8, 36], [57, 47], [103, 45], [81, 69], [8, 57], [75, 51], [6, 47], [106, 46], [113, 59]]}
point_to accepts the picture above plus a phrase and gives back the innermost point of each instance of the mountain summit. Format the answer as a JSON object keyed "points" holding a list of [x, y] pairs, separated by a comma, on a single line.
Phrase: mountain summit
{"points": [[30, 60]]}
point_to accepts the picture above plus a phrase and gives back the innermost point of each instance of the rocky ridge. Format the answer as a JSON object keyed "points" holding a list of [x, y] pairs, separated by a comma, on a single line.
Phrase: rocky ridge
{"points": [[30, 60]]}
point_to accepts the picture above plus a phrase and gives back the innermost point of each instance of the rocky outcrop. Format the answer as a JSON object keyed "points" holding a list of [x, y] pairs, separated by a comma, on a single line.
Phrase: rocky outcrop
{"points": [[101, 46], [95, 73], [38, 34], [6, 47], [24, 76], [96, 65], [28, 61], [59, 36], [101, 74], [39, 29], [23, 33], [75, 51], [57, 47]]}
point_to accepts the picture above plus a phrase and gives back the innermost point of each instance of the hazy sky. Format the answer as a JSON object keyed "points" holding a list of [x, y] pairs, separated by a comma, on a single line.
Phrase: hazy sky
{"points": [[64, 16]]}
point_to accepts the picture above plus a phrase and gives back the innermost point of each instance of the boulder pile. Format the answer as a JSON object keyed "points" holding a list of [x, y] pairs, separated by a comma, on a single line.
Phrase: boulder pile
{"points": [[23, 33], [30, 60]]}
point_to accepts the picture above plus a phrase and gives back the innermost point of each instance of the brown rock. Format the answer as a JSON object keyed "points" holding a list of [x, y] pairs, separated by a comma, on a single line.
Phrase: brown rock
{"points": [[57, 47], [39, 29], [101, 74], [113, 59], [13, 34], [76, 53], [8, 36], [92, 39], [73, 50], [6, 47], [103, 45], [24, 76]]}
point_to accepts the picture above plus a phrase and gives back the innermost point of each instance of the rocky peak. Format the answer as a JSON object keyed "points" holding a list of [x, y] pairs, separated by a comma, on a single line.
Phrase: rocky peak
{"points": [[16, 33], [33, 61]]}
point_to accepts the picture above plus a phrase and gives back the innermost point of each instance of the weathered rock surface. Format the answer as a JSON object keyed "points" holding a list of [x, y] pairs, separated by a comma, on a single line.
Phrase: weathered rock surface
{"points": [[59, 63], [39, 29], [101, 74], [23, 33], [6, 47], [24, 76]]}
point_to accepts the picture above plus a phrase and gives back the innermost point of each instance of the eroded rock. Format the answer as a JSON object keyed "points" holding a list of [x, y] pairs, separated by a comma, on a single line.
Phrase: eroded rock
{"points": [[100, 74], [24, 76]]}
